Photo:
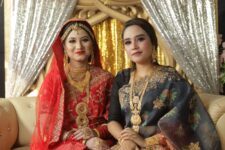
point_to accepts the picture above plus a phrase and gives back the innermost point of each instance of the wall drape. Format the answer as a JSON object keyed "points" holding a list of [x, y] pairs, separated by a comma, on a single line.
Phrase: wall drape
{"points": [[189, 27], [34, 25]]}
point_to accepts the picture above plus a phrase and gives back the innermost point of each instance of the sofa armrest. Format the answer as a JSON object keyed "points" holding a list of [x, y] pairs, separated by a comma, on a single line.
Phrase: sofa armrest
{"points": [[8, 124], [215, 105], [25, 111]]}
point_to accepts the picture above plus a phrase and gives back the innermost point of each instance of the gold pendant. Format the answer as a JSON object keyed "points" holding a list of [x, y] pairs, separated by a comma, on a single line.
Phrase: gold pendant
{"points": [[82, 121], [82, 108], [136, 128], [135, 119], [136, 99]]}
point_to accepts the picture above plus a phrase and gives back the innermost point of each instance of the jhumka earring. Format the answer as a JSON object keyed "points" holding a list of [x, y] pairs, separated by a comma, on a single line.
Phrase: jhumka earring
{"points": [[66, 61], [154, 57], [92, 57], [66, 58]]}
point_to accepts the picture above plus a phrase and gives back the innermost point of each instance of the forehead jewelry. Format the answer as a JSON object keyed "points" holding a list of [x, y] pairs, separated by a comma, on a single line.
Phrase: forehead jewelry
{"points": [[76, 27]]}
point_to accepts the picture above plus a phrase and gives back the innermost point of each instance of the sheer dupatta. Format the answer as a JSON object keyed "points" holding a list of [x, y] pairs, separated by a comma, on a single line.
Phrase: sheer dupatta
{"points": [[50, 103]]}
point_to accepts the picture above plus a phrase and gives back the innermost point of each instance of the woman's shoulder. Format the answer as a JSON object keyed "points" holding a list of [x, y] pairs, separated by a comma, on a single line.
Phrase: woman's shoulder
{"points": [[168, 72], [166, 69], [125, 72], [99, 72], [52, 75], [123, 76]]}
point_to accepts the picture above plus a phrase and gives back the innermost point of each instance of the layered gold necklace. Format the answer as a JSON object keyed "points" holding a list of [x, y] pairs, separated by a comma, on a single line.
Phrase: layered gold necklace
{"points": [[135, 103], [84, 77]]}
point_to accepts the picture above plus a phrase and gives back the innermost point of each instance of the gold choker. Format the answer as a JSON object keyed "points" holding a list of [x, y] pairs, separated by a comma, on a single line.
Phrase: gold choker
{"points": [[81, 76], [80, 85]]}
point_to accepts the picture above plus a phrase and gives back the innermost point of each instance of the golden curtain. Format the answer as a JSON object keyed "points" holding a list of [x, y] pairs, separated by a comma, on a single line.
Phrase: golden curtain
{"points": [[108, 35], [113, 57]]}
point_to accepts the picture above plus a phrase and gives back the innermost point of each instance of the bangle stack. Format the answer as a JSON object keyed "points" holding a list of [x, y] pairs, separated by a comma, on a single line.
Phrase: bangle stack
{"points": [[84, 141], [66, 134], [97, 133]]}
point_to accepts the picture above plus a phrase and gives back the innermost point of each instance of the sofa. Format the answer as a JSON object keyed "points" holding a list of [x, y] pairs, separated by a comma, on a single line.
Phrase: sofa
{"points": [[17, 119]]}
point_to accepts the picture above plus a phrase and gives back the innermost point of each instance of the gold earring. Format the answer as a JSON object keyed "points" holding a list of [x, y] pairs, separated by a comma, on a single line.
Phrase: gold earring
{"points": [[154, 57], [66, 58], [92, 57]]}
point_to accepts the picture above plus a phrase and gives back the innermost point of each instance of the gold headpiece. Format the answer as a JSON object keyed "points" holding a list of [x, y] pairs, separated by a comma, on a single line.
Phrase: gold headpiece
{"points": [[76, 26]]}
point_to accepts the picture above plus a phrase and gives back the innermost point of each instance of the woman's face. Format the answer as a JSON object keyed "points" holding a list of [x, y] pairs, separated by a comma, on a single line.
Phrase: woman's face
{"points": [[137, 44], [78, 45]]}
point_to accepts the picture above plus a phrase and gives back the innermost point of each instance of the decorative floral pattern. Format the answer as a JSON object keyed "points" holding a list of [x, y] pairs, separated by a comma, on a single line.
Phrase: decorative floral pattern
{"points": [[158, 104], [171, 106]]}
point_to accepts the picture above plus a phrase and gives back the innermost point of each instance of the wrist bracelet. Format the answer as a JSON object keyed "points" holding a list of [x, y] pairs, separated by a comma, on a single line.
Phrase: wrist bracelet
{"points": [[66, 135], [97, 132], [84, 142]]}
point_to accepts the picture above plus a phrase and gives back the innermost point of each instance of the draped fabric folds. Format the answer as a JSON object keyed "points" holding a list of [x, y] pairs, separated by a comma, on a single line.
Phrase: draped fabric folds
{"points": [[35, 24], [189, 27]]}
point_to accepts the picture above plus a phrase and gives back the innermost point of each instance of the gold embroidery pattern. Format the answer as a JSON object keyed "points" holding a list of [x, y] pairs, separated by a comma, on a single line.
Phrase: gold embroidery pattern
{"points": [[158, 104], [124, 96], [139, 84], [97, 84], [100, 80], [160, 75], [180, 131], [58, 126], [153, 140], [194, 146]]}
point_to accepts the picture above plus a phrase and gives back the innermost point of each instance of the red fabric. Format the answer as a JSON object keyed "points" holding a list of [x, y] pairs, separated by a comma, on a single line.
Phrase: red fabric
{"points": [[52, 98]]}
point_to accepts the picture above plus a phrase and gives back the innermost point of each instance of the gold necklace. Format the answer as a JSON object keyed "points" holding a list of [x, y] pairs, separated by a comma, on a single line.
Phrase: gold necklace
{"points": [[80, 85], [82, 110], [78, 73], [135, 104], [82, 107]]}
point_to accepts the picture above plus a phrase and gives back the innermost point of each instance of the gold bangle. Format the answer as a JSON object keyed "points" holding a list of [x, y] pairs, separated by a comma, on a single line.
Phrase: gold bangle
{"points": [[97, 132], [84, 142], [66, 135]]}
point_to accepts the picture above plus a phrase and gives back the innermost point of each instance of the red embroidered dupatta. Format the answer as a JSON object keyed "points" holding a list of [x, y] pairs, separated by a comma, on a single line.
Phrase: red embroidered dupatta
{"points": [[50, 103]]}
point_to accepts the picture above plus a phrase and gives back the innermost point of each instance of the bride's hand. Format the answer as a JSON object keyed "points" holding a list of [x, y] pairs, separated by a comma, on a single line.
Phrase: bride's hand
{"points": [[84, 133]]}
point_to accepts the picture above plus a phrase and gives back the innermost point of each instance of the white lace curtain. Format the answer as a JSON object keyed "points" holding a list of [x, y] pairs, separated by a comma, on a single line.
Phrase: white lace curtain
{"points": [[35, 23], [189, 27]]}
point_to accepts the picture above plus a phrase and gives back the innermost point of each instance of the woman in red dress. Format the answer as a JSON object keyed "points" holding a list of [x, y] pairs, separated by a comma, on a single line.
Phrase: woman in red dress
{"points": [[72, 106]]}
